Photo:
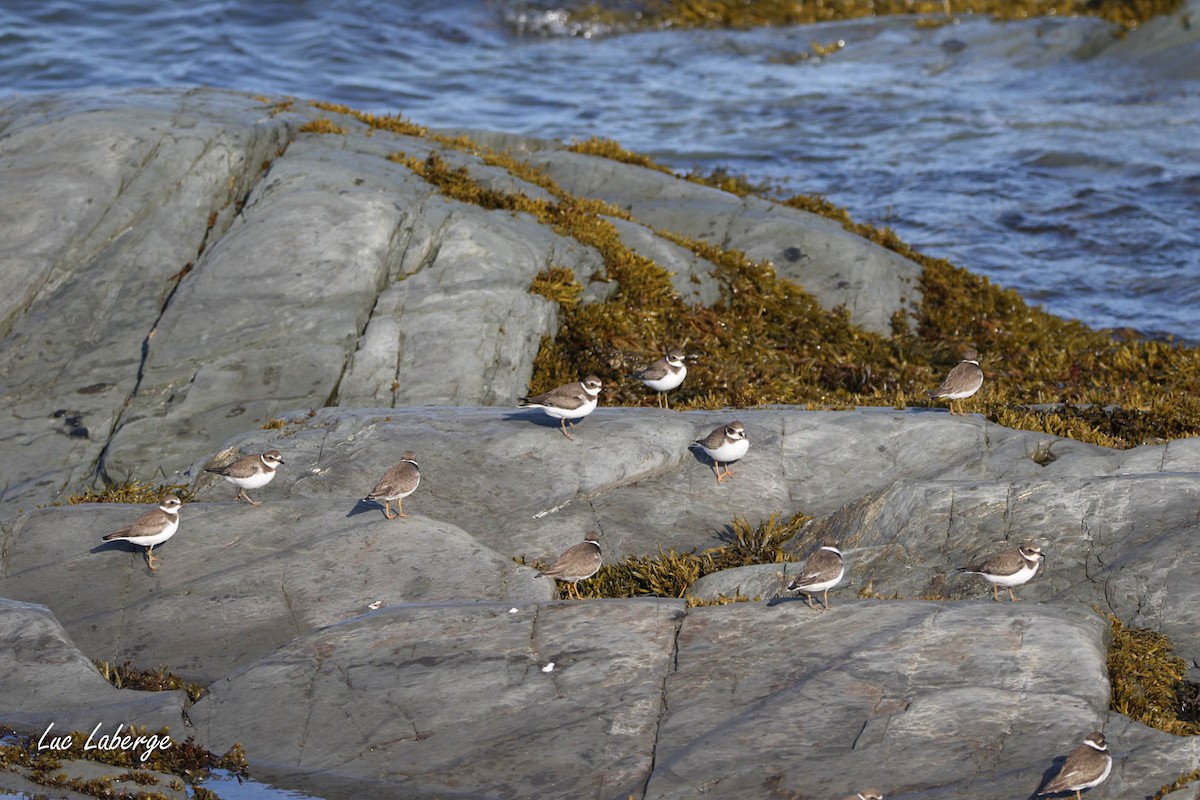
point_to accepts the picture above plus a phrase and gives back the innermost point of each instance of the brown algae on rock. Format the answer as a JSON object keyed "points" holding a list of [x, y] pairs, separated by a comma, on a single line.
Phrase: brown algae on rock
{"points": [[1148, 680], [151, 680], [671, 573], [1044, 373], [656, 14], [767, 341], [132, 491], [188, 763], [321, 125]]}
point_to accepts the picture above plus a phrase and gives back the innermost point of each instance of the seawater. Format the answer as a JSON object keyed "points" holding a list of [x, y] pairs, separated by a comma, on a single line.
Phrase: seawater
{"points": [[1074, 180]]}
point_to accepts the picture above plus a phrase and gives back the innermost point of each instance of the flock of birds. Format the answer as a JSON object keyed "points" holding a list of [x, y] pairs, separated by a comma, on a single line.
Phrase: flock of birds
{"points": [[1087, 766]]}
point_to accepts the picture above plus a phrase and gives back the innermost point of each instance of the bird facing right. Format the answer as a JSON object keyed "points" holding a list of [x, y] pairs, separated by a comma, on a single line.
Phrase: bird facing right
{"points": [[726, 443], [577, 563], [396, 484], [822, 571], [1008, 569], [572, 401], [866, 794], [664, 375], [152, 528], [962, 382], [250, 472], [1086, 767]]}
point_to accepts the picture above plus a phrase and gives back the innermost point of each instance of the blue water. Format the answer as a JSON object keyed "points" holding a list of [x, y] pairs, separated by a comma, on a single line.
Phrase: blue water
{"points": [[1075, 181]]}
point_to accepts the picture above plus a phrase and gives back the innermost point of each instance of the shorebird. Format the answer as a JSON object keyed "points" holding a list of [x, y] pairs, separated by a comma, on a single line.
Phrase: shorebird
{"points": [[1087, 766], [664, 375], [725, 444], [250, 472], [154, 527], [962, 382], [577, 563], [1008, 569], [822, 571], [569, 402], [396, 484]]}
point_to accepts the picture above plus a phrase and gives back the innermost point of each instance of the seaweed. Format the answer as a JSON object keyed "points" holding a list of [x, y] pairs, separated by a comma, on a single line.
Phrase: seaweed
{"points": [[1148, 680]]}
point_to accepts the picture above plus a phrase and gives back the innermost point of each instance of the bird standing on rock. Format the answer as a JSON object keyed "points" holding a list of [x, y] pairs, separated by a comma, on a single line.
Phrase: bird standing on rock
{"points": [[250, 472], [726, 443], [154, 527], [1008, 569], [571, 401], [396, 484], [577, 563], [822, 571], [1087, 766]]}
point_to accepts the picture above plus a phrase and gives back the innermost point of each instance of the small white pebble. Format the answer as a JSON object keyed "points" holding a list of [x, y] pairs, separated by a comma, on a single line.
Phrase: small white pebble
{"points": [[513, 610], [375, 605], [549, 667]]}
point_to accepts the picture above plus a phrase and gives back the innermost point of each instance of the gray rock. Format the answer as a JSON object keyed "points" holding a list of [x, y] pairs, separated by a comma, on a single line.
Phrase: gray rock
{"points": [[465, 702], [1168, 45], [1124, 544], [182, 266], [234, 582], [644, 701], [115, 196], [760, 582], [925, 700], [220, 267], [834, 266], [630, 473], [50, 687]]}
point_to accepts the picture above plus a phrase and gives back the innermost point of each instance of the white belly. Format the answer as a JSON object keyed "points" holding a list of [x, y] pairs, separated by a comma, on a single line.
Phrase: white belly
{"points": [[963, 395], [255, 481], [158, 538], [1016, 579], [669, 382], [1100, 780], [813, 588], [571, 413], [729, 451]]}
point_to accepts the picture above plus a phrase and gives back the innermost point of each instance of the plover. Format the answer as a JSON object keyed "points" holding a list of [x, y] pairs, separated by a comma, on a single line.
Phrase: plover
{"points": [[250, 472], [1008, 569], [962, 382], [866, 794], [725, 444], [154, 527], [577, 563], [396, 484], [1087, 766], [822, 571], [570, 402], [664, 375]]}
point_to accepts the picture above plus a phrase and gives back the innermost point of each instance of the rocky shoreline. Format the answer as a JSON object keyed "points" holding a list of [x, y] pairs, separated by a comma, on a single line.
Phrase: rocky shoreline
{"points": [[182, 267]]}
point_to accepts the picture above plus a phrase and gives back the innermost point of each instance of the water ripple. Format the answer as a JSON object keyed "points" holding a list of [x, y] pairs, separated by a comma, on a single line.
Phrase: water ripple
{"points": [[1074, 181]]}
